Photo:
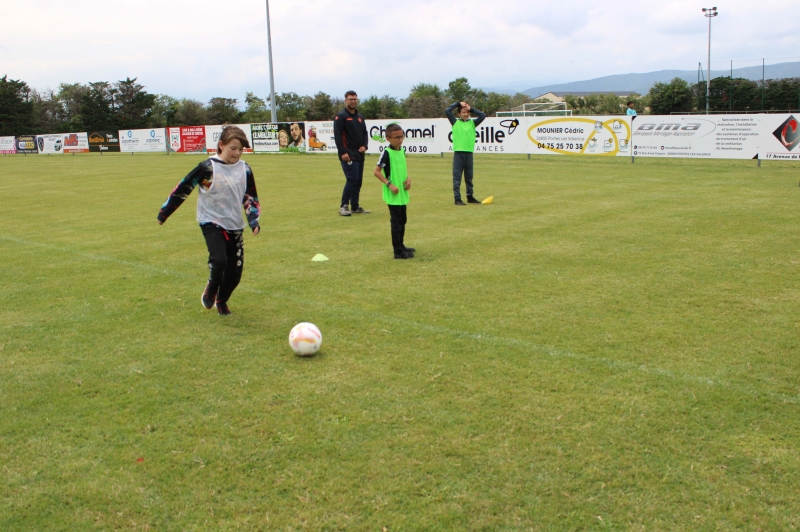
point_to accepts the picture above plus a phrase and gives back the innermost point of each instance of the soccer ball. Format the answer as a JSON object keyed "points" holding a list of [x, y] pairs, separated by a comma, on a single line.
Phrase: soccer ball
{"points": [[305, 339]]}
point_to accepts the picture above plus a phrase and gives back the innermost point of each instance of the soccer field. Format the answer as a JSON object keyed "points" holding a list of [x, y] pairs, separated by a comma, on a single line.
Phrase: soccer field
{"points": [[606, 346]]}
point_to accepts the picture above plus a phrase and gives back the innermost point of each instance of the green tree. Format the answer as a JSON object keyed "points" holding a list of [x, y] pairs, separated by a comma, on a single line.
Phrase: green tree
{"points": [[381, 108], [98, 108], [256, 110], [16, 107], [133, 104], [421, 90], [292, 108], [424, 106], [46, 111], [320, 107], [459, 90], [673, 97], [70, 98], [164, 110], [781, 94], [222, 110], [190, 113], [728, 94]]}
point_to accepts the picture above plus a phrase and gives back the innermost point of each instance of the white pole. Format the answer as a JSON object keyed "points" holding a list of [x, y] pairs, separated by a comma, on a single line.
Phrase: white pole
{"points": [[708, 13], [708, 77], [271, 76]]}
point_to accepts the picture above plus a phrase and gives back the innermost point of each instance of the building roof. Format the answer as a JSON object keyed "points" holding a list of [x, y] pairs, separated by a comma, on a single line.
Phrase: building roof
{"points": [[561, 94]]}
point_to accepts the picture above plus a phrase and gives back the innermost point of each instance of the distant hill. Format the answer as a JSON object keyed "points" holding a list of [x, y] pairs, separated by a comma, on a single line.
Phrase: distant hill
{"points": [[641, 83]]}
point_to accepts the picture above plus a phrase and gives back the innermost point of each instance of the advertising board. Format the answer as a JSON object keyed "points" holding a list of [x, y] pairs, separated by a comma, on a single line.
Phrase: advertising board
{"points": [[103, 141], [142, 141]]}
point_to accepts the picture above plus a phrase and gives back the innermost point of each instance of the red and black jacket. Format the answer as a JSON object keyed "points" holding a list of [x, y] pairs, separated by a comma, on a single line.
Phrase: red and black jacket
{"points": [[350, 132]]}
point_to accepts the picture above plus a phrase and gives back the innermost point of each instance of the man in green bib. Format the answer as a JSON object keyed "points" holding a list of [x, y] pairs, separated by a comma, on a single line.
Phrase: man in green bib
{"points": [[463, 138], [391, 171]]}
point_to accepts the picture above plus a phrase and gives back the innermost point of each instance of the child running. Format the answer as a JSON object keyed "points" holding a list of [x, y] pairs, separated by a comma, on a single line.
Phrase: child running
{"points": [[396, 186], [226, 186]]}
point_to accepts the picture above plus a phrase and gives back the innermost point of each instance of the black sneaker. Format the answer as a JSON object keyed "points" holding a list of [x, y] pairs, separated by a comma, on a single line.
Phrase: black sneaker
{"points": [[471, 199], [208, 297], [459, 202], [222, 309], [404, 255], [360, 210], [410, 250]]}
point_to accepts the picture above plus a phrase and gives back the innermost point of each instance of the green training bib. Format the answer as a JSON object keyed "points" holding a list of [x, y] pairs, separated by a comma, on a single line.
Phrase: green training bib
{"points": [[464, 135], [397, 166]]}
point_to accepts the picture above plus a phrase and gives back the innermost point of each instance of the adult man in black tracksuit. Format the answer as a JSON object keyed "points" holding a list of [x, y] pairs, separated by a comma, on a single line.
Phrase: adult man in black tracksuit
{"points": [[350, 132]]}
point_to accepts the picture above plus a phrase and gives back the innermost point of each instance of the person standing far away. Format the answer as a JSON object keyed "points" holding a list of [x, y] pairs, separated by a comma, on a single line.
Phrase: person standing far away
{"points": [[350, 133], [463, 147], [631, 111]]}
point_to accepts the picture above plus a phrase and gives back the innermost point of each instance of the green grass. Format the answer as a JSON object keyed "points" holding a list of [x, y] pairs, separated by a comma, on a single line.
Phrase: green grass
{"points": [[607, 346]]}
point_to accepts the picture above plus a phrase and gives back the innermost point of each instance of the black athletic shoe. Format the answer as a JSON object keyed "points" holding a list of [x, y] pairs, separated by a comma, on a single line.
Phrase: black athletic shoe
{"points": [[459, 202], [222, 309], [471, 199], [360, 210], [404, 255], [410, 250], [208, 297]]}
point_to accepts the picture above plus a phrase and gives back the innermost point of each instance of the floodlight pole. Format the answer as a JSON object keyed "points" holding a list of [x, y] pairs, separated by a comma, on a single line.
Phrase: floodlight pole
{"points": [[709, 13], [271, 76]]}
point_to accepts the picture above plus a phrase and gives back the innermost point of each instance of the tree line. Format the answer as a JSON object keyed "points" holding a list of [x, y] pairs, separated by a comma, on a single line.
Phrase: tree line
{"points": [[679, 96], [126, 104]]}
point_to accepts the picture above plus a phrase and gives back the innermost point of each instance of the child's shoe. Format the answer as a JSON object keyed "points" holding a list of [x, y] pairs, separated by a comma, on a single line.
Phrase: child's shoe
{"points": [[222, 309], [208, 297]]}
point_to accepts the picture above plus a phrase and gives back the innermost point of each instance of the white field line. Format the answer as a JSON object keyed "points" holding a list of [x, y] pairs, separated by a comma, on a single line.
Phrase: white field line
{"points": [[483, 337]]}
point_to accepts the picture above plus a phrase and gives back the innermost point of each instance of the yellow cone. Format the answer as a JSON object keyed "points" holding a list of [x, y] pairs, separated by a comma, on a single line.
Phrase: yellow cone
{"points": [[319, 257], [488, 200]]}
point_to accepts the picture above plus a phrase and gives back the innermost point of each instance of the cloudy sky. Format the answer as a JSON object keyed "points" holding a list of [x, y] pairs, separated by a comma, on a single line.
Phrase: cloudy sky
{"points": [[201, 49]]}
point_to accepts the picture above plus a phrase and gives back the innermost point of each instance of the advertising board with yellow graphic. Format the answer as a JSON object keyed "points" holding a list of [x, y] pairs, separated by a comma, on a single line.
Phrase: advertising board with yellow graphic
{"points": [[607, 136]]}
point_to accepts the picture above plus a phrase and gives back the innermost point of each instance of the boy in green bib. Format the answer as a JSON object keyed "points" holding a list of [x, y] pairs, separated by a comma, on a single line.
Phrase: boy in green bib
{"points": [[463, 138], [396, 186]]}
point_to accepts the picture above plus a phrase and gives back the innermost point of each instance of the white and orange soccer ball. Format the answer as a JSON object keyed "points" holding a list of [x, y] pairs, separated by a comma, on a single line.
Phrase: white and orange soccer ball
{"points": [[305, 339]]}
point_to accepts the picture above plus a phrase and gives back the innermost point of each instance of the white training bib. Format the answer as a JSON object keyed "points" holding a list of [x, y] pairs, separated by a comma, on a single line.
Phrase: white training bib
{"points": [[221, 203]]}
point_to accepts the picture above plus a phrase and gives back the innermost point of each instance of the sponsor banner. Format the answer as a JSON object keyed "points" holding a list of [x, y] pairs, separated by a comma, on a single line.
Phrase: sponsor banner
{"points": [[213, 133], [26, 144], [319, 137], [780, 137], [423, 135], [291, 137], [142, 140], [75, 142], [265, 138], [279, 137], [608, 136], [7, 145], [696, 136], [50, 144], [187, 139], [103, 141], [497, 135]]}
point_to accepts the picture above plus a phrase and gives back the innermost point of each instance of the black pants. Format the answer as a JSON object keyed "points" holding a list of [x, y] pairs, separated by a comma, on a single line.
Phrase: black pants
{"points": [[225, 259], [462, 161], [398, 218], [354, 173]]}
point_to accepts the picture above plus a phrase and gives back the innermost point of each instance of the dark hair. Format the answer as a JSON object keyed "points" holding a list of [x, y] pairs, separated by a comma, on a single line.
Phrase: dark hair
{"points": [[393, 127], [630, 103], [350, 93], [232, 132]]}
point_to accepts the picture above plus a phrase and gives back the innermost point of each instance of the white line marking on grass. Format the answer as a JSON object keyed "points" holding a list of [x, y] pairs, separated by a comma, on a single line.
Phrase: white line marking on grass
{"points": [[483, 337]]}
